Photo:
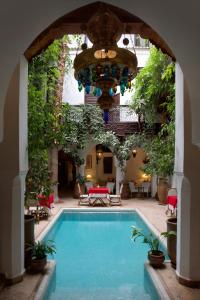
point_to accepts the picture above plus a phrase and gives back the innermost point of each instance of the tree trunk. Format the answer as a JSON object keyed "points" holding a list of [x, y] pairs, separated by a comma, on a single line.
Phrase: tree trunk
{"points": [[57, 110]]}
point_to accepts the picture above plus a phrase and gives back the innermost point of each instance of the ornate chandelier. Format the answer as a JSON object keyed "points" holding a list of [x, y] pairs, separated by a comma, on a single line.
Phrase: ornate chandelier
{"points": [[105, 66]]}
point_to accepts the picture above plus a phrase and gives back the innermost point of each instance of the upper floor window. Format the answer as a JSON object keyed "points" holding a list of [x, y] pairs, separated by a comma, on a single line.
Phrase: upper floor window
{"points": [[139, 42]]}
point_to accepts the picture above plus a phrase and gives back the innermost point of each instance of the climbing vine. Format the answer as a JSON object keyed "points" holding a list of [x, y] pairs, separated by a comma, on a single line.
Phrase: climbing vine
{"points": [[154, 98], [43, 125]]}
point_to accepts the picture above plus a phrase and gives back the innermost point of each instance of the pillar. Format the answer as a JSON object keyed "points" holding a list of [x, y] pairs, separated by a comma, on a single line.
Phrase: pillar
{"points": [[13, 169], [186, 177], [119, 175]]}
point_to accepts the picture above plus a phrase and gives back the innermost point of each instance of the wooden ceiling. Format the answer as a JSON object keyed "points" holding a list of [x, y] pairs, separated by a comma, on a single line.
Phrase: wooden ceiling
{"points": [[73, 22]]}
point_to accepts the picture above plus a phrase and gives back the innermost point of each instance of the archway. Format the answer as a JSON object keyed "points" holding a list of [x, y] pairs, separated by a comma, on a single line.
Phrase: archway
{"points": [[190, 65]]}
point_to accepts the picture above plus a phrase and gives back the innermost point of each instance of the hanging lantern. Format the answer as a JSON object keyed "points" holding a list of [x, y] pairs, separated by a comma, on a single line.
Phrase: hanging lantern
{"points": [[105, 66]]}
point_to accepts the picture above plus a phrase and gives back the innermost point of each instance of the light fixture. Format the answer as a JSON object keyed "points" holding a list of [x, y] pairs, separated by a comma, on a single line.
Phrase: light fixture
{"points": [[88, 176], [146, 160], [134, 153], [105, 65], [99, 153]]}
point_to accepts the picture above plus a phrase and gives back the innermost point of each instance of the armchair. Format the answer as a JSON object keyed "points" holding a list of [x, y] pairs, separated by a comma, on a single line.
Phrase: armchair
{"points": [[146, 188], [83, 198], [110, 186], [116, 199], [132, 188]]}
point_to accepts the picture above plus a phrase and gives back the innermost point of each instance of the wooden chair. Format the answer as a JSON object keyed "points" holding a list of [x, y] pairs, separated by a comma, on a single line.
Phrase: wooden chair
{"points": [[146, 188], [132, 188], [83, 198], [116, 199], [110, 186], [88, 184]]}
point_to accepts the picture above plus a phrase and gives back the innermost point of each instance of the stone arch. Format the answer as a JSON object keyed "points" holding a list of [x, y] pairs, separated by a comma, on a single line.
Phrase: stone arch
{"points": [[33, 22]]}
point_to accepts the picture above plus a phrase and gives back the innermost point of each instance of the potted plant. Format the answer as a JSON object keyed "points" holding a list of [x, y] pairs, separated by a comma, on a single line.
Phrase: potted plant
{"points": [[155, 254], [81, 181], [40, 250]]}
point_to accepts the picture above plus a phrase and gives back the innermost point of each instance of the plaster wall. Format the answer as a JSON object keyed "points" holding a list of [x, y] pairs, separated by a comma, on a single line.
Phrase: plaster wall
{"points": [[133, 167], [18, 20], [187, 183], [13, 168]]}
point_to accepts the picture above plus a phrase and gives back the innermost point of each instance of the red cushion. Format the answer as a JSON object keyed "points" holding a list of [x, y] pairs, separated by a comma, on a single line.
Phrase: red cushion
{"points": [[100, 190], [46, 201], [172, 200]]}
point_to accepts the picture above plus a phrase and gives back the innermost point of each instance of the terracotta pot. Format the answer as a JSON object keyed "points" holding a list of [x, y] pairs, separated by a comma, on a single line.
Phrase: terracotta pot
{"points": [[125, 191], [156, 259], [162, 190], [76, 190], [29, 224], [38, 265], [171, 240]]}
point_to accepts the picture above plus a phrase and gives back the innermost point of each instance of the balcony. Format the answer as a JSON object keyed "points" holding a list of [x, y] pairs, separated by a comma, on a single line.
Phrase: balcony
{"points": [[123, 121]]}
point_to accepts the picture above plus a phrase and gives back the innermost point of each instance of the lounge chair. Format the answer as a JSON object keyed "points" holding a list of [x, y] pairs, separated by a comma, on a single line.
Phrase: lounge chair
{"points": [[116, 199], [83, 198]]}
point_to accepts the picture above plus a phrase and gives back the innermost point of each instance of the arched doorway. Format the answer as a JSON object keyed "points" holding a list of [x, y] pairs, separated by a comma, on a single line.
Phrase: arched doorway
{"points": [[66, 174], [99, 167]]}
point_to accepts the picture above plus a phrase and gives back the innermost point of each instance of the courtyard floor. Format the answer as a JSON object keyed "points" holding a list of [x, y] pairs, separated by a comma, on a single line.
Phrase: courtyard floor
{"points": [[152, 211]]}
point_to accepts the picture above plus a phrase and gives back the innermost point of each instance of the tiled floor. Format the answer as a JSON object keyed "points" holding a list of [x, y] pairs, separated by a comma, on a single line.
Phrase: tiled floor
{"points": [[151, 210]]}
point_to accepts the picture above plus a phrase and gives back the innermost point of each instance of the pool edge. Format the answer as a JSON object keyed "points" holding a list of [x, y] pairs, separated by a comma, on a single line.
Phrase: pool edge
{"points": [[157, 282], [163, 294], [42, 289]]}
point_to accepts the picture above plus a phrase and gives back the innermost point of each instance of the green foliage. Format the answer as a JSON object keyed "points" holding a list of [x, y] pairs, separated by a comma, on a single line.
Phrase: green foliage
{"points": [[154, 86], [80, 179], [160, 150], [121, 149], [79, 125], [38, 176], [150, 239], [155, 96], [42, 123], [41, 249]]}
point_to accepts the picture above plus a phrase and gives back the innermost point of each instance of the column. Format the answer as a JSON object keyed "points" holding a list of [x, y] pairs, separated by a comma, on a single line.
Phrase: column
{"points": [[187, 170], [119, 174], [13, 169]]}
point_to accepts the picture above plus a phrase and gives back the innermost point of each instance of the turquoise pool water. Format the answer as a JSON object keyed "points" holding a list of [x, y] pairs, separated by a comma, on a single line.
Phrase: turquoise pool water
{"points": [[96, 258]]}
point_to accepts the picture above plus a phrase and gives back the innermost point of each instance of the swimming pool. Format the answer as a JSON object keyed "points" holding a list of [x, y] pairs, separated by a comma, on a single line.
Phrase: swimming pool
{"points": [[96, 258]]}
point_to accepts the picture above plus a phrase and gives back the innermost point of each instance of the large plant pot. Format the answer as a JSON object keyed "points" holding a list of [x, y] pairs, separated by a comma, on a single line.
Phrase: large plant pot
{"points": [[38, 265], [156, 260], [29, 224], [125, 191], [171, 240], [76, 190], [162, 190], [29, 238]]}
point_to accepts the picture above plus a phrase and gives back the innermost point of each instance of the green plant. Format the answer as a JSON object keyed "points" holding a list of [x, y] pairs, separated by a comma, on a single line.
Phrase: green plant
{"points": [[154, 98], [150, 239], [41, 249], [80, 179]]}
